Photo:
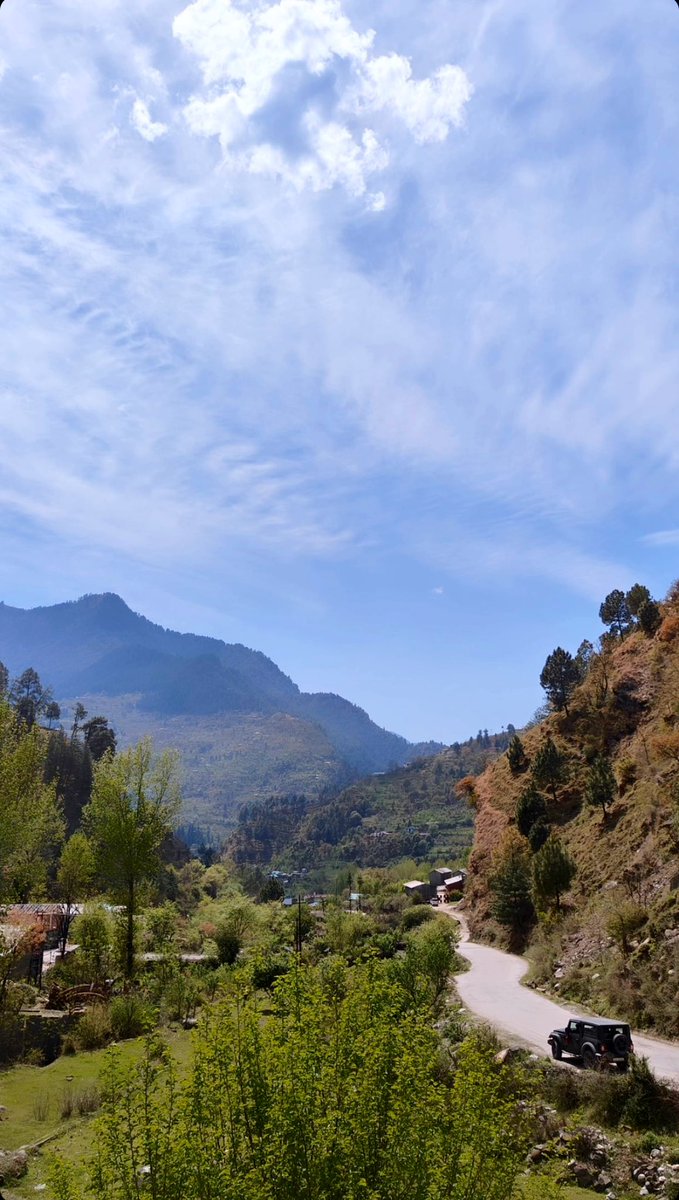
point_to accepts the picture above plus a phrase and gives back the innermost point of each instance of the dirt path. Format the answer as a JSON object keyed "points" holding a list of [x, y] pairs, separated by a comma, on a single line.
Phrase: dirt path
{"points": [[492, 990]]}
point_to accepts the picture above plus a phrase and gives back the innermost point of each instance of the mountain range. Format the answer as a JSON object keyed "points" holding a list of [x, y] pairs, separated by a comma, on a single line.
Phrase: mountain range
{"points": [[243, 727]]}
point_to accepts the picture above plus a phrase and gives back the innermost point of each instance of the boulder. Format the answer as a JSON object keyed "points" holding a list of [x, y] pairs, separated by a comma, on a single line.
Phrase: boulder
{"points": [[13, 1165]]}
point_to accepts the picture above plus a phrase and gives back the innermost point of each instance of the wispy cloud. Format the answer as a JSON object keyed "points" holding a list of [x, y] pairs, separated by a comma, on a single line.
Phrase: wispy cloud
{"points": [[663, 537], [283, 276]]}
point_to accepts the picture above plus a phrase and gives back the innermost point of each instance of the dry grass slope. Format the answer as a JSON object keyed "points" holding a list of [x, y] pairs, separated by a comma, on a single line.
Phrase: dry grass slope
{"points": [[617, 945]]}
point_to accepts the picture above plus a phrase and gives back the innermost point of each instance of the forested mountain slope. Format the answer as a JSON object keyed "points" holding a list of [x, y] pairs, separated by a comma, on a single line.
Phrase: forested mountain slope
{"points": [[415, 811], [243, 727], [597, 901]]}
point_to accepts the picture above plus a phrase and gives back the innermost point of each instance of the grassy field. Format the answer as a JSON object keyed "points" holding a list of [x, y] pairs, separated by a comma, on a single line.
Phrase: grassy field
{"points": [[36, 1097]]}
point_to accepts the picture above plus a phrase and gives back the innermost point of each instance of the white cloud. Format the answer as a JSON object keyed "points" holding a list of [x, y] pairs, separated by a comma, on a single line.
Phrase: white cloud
{"points": [[141, 119], [663, 537], [325, 137]]}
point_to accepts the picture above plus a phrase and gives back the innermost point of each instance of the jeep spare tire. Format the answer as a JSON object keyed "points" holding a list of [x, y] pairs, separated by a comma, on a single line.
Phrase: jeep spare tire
{"points": [[620, 1043]]}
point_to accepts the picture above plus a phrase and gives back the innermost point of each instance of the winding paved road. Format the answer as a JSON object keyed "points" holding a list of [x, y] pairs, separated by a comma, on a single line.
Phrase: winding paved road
{"points": [[492, 990]]}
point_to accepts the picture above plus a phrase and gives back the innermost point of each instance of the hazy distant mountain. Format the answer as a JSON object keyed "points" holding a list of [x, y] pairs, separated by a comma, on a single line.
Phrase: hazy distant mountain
{"points": [[217, 702]]}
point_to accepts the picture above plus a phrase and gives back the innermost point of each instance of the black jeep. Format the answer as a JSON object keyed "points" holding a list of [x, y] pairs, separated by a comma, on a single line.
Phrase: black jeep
{"points": [[597, 1043]]}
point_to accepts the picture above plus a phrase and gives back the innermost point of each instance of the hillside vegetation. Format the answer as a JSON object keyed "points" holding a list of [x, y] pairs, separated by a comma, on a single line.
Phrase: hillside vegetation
{"points": [[576, 846], [412, 812]]}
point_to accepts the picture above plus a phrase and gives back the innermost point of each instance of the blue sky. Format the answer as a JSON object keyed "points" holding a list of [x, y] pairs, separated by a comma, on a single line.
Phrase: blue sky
{"points": [[346, 330]]}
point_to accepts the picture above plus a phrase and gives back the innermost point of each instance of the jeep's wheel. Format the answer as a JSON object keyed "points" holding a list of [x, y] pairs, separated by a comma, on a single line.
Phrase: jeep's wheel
{"points": [[556, 1049], [620, 1044], [589, 1058], [623, 1066]]}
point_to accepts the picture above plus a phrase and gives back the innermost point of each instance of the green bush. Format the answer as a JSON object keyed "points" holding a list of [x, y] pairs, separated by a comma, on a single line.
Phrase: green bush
{"points": [[265, 969], [181, 996], [228, 945], [130, 1016], [636, 1099], [94, 1027], [413, 917], [562, 1089]]}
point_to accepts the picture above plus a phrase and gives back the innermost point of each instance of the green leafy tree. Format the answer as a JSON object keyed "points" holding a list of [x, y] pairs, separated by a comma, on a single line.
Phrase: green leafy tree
{"points": [[511, 884], [615, 612], [428, 962], [649, 617], [553, 872], [337, 1097], [559, 677], [530, 808], [75, 874], [31, 827], [134, 806], [600, 788], [93, 931], [4, 680], [550, 767], [516, 755]]}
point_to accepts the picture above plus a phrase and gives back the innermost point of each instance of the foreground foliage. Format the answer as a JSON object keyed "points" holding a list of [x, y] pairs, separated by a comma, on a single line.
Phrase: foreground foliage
{"points": [[342, 1093]]}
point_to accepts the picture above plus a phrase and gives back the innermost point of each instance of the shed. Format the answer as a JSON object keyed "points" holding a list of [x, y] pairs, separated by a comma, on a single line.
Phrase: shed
{"points": [[454, 884], [438, 876], [416, 887]]}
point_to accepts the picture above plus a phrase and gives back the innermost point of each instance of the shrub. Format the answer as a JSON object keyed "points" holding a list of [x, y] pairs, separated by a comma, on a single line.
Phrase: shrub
{"points": [[130, 1016], [265, 969], [648, 1103], [94, 1027], [228, 944], [41, 1107], [669, 629], [625, 922], [67, 1103], [182, 996], [68, 1046], [638, 1099], [562, 1089], [415, 916], [88, 1101], [626, 772]]}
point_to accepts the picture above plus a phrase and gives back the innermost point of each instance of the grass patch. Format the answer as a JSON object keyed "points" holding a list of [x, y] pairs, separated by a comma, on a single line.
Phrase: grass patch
{"points": [[36, 1098]]}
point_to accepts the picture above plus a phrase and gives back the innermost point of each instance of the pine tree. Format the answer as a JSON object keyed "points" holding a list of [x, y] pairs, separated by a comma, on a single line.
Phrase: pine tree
{"points": [[615, 612], [510, 884], [530, 809], [636, 596], [649, 617], [516, 755], [553, 872], [539, 832], [559, 678], [549, 767], [600, 788]]}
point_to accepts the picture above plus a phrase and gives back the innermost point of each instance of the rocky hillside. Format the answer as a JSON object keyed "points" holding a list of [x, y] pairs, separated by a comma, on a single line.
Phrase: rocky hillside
{"points": [[611, 801], [243, 727]]}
